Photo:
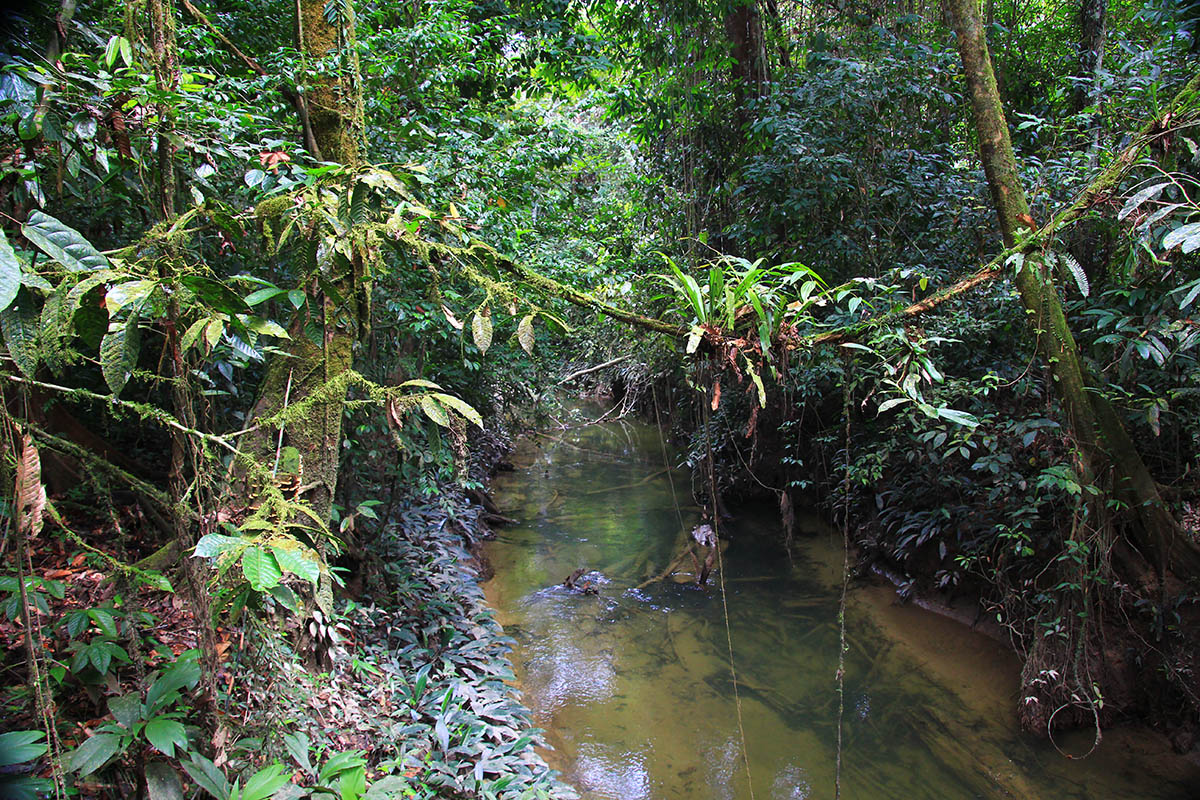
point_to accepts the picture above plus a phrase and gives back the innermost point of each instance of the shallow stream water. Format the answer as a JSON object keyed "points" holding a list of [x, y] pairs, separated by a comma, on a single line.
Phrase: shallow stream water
{"points": [[634, 686]]}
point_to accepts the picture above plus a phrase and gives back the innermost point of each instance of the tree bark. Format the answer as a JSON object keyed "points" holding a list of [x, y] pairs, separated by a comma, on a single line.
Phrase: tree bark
{"points": [[1092, 14], [1103, 444]]}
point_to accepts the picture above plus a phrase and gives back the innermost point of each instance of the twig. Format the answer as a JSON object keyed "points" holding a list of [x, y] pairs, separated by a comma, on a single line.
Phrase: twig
{"points": [[287, 394]]}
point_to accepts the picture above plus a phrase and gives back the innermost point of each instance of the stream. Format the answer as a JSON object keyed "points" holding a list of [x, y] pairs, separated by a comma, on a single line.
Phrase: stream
{"points": [[634, 688]]}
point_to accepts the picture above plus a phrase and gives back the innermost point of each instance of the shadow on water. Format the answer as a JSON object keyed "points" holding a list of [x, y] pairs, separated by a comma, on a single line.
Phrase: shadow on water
{"points": [[634, 685]]}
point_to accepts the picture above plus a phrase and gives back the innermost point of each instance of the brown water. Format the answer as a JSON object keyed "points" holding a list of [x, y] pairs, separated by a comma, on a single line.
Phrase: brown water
{"points": [[634, 686]]}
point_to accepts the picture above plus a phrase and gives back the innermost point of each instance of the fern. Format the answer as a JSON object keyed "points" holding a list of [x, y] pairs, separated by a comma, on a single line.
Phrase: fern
{"points": [[1081, 278]]}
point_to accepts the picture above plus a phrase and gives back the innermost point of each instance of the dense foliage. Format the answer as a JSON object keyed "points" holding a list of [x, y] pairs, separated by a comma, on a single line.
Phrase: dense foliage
{"points": [[265, 300]]}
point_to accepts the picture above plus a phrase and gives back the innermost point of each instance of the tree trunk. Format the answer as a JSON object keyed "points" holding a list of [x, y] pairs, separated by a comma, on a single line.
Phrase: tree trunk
{"points": [[748, 70], [1103, 444], [315, 362], [1092, 15]]}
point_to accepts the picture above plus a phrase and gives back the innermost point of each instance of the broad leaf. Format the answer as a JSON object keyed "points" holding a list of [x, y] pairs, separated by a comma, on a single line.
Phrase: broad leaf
{"points": [[19, 326], [461, 407], [260, 569], [183, 673], [163, 782], [1132, 203], [481, 329], [525, 333], [17, 747], [10, 273], [94, 753], [298, 562], [119, 352], [265, 782], [126, 709], [434, 410], [206, 775], [1187, 235], [63, 243], [166, 734], [127, 293]]}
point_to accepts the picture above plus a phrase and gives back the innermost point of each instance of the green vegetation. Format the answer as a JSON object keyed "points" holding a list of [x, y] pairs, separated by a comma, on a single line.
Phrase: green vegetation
{"points": [[277, 281]]}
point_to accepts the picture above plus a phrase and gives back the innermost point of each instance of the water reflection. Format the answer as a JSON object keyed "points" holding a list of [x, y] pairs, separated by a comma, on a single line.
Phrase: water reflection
{"points": [[634, 683]]}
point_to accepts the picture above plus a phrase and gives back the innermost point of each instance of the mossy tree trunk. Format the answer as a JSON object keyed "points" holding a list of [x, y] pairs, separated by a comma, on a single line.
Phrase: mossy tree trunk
{"points": [[1104, 446], [321, 348]]}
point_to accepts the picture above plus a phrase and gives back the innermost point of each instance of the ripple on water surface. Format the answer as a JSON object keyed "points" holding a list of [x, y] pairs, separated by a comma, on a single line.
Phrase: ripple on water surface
{"points": [[633, 684]]}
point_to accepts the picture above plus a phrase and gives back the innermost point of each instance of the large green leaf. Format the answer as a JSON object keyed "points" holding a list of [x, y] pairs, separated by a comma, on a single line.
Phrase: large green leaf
{"points": [[63, 243], [265, 782], [298, 562], [10, 273], [127, 293], [260, 568], [94, 753], [163, 782], [461, 406], [17, 747], [215, 294], [166, 734], [207, 775], [434, 410], [19, 326], [119, 352], [183, 673]]}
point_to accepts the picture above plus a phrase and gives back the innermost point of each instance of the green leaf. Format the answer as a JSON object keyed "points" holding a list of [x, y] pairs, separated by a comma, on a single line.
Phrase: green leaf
{"points": [[434, 410], [193, 333], [127, 293], [297, 745], [110, 51], [10, 273], [215, 544], [215, 294], [17, 747], [1188, 235], [286, 597], [481, 329], [119, 352], [296, 297], [265, 782], [461, 406], [265, 327], [758, 384], [958, 417], [421, 382], [207, 775], [126, 52], [166, 734], [163, 782], [298, 562], [183, 673], [254, 177], [126, 709], [262, 295], [63, 243], [525, 333], [19, 327], [260, 569], [1132, 203], [94, 753], [694, 337]]}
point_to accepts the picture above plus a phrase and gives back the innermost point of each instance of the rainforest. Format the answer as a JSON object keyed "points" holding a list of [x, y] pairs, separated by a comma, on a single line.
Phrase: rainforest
{"points": [[515, 399]]}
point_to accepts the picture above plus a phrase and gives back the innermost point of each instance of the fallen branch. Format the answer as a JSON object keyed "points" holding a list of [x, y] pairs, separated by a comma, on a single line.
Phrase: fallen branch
{"points": [[589, 370]]}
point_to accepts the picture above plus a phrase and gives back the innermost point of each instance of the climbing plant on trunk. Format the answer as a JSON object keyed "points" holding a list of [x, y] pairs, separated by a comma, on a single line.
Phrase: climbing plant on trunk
{"points": [[1103, 445]]}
